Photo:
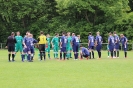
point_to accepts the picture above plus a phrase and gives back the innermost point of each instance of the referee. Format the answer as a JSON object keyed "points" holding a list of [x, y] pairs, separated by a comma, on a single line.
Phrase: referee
{"points": [[10, 44], [42, 42]]}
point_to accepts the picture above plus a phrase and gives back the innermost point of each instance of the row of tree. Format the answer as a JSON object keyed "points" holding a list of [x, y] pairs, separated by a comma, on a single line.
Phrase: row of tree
{"points": [[79, 16]]}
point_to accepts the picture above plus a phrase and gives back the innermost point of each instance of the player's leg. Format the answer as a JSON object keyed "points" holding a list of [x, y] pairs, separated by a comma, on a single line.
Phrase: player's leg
{"points": [[125, 51], [64, 53], [40, 50], [29, 54], [32, 53], [114, 53], [9, 53], [71, 52], [92, 47], [48, 50], [77, 49], [13, 52], [21, 50], [61, 50], [54, 49], [43, 51], [111, 48]]}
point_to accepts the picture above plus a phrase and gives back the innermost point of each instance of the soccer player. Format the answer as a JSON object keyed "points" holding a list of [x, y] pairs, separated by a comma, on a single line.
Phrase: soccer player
{"points": [[124, 41], [116, 48], [111, 43], [55, 45], [33, 41], [98, 44], [10, 44], [42, 41], [84, 52], [75, 45], [63, 43], [18, 45], [48, 45], [27, 47], [91, 44], [69, 46]]}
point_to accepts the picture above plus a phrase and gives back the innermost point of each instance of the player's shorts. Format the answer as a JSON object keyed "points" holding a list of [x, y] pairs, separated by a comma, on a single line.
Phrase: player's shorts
{"points": [[48, 49], [75, 48], [42, 47], [56, 48], [18, 48], [117, 46], [26, 50], [111, 47], [63, 49], [11, 48], [125, 47], [32, 50], [98, 47], [90, 47], [85, 55]]}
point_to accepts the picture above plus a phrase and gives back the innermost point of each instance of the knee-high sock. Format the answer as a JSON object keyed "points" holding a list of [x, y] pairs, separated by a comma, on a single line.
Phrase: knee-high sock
{"points": [[117, 53], [60, 55], [108, 53], [75, 55], [49, 55], [90, 55], [9, 55], [13, 57], [125, 54], [29, 58], [23, 57], [99, 54], [93, 54], [64, 55], [40, 55], [70, 54], [44, 55], [114, 53]]}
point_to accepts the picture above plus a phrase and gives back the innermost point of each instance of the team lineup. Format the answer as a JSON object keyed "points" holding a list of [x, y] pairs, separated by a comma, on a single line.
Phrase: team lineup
{"points": [[66, 44]]}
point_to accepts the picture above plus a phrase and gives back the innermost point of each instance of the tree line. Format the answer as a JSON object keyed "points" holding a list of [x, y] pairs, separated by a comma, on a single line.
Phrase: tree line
{"points": [[79, 16]]}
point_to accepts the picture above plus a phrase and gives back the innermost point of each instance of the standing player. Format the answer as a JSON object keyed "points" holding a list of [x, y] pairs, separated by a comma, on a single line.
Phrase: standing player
{"points": [[18, 45], [68, 46], [63, 44], [116, 48], [42, 42], [98, 43], [84, 52], [10, 44], [111, 44], [124, 44], [91, 44], [75, 45], [48, 45], [55, 45]]}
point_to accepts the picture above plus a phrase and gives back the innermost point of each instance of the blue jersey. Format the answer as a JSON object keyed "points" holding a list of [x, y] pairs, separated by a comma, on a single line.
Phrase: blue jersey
{"points": [[75, 40], [117, 40], [85, 51], [123, 40], [99, 40], [63, 40], [28, 41], [91, 40], [111, 40]]}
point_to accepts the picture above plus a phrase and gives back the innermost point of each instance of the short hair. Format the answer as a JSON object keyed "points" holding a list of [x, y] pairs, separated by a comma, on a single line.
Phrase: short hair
{"points": [[81, 46], [28, 31], [63, 33], [114, 32], [121, 34], [110, 33], [56, 33], [41, 32], [12, 33], [90, 33]]}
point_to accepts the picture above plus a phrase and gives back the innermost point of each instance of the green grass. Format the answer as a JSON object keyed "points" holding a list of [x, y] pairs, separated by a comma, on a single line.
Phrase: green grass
{"points": [[104, 73]]}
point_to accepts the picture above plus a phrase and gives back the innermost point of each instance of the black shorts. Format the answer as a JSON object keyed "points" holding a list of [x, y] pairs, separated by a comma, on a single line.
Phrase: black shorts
{"points": [[42, 47], [11, 48]]}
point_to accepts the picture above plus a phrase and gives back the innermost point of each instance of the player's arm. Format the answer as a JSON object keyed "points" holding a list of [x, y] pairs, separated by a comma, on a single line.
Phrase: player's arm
{"points": [[6, 43], [72, 41], [108, 40], [88, 41], [96, 41], [126, 41], [24, 43], [52, 42]]}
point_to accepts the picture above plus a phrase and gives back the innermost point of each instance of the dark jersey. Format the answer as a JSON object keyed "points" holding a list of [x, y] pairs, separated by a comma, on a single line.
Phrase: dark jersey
{"points": [[11, 41]]}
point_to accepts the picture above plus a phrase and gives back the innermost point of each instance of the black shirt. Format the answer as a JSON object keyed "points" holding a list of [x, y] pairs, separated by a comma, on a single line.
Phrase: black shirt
{"points": [[10, 41]]}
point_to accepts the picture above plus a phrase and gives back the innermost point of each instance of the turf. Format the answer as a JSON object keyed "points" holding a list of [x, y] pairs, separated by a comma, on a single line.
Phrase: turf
{"points": [[104, 73]]}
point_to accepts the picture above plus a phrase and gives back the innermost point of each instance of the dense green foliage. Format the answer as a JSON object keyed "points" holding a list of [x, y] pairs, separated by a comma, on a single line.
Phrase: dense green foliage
{"points": [[79, 16]]}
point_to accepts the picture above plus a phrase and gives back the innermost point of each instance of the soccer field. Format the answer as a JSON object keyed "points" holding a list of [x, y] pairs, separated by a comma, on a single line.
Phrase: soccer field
{"points": [[104, 73]]}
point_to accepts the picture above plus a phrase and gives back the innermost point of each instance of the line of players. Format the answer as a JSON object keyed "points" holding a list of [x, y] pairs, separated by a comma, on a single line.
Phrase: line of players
{"points": [[66, 43]]}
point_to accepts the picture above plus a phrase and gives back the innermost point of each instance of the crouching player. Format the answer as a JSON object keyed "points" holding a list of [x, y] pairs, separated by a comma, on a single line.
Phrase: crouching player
{"points": [[98, 43], [84, 52]]}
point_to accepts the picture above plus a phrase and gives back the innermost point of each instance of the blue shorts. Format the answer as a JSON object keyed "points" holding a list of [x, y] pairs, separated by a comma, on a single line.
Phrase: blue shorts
{"points": [[117, 46], [26, 50], [124, 47], [111, 47], [75, 48], [63, 49], [98, 47], [90, 47]]}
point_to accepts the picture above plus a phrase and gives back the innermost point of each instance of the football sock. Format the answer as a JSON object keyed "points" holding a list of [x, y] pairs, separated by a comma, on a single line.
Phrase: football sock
{"points": [[56, 54], [125, 54], [90, 55], [75, 56], [44, 55], [9, 55], [64, 55], [108, 53], [93, 54], [70, 55], [40, 55], [100, 54], [29, 57], [60, 55], [117, 53], [114, 53], [12, 57], [49, 55]]}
